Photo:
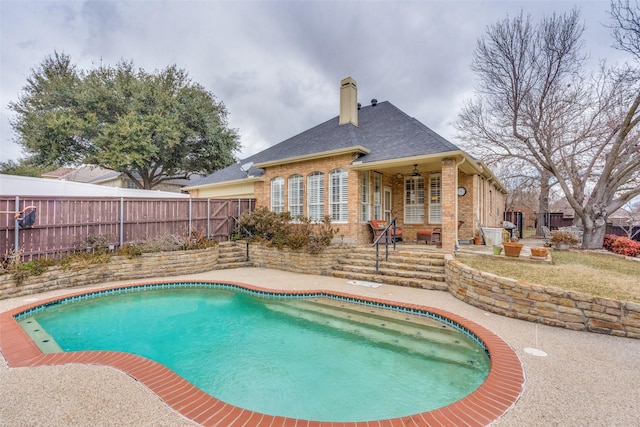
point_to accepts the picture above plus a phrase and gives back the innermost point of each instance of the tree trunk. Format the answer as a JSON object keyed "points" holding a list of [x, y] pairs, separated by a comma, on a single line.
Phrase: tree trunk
{"points": [[543, 201], [594, 231]]}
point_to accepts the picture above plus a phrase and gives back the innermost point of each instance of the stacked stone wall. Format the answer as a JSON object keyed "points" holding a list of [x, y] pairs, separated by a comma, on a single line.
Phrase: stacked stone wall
{"points": [[548, 305], [297, 261], [118, 268], [508, 297]]}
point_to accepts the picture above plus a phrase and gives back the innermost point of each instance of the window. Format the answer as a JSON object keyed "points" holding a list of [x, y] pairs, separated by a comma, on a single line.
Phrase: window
{"points": [[296, 195], [277, 194], [339, 195], [377, 195], [435, 199], [365, 197], [414, 200], [315, 196]]}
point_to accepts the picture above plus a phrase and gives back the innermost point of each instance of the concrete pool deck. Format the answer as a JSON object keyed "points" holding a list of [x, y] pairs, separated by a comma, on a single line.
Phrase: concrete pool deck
{"points": [[586, 379]]}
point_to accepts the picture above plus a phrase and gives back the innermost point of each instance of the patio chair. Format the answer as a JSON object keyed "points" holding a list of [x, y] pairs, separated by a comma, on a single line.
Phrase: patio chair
{"points": [[432, 236], [378, 226]]}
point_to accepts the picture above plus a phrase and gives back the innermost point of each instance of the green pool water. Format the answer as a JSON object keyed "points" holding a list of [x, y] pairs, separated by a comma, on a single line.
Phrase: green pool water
{"points": [[313, 358]]}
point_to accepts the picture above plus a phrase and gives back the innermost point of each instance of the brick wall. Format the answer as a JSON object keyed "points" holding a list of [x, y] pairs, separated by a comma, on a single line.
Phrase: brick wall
{"points": [[483, 201], [466, 210], [351, 230]]}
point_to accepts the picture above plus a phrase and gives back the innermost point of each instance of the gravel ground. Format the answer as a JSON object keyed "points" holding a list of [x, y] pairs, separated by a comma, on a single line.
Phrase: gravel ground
{"points": [[585, 380]]}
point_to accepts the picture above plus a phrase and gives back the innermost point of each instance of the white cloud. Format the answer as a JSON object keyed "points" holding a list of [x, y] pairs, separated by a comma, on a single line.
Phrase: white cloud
{"points": [[276, 65]]}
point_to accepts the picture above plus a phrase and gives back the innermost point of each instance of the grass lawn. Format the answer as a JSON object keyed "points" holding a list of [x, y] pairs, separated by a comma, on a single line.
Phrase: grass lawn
{"points": [[589, 272]]}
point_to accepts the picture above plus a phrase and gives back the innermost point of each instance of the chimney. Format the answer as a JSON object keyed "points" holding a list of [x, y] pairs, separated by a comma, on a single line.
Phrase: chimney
{"points": [[348, 102]]}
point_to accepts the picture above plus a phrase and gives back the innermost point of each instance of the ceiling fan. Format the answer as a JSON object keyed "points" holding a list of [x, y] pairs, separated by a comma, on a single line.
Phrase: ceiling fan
{"points": [[415, 171]]}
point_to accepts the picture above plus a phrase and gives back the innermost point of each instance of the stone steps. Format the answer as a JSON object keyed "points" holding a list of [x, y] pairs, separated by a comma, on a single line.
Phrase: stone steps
{"points": [[407, 256], [389, 269], [392, 280], [416, 267], [403, 265], [232, 255], [229, 265]]}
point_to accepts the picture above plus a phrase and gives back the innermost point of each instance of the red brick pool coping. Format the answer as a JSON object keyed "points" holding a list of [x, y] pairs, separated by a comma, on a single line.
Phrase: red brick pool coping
{"points": [[500, 391]]}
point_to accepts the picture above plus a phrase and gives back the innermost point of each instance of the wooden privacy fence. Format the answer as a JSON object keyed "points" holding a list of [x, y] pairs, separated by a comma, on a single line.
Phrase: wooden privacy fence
{"points": [[63, 224]]}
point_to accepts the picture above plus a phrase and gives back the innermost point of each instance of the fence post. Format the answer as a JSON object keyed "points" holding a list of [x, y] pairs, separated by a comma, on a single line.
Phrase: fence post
{"points": [[208, 218], [121, 221], [16, 240], [189, 216]]}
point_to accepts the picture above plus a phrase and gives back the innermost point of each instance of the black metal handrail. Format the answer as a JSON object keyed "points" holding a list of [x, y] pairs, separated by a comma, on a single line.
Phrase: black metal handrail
{"points": [[385, 234], [242, 231]]}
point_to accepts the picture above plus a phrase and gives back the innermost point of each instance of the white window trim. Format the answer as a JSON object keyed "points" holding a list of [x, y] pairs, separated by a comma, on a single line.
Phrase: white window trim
{"points": [[277, 194], [339, 195], [296, 195], [377, 196], [435, 199], [315, 196], [365, 196], [413, 200]]}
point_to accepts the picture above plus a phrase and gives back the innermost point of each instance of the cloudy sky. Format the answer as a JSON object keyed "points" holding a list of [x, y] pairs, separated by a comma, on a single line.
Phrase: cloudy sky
{"points": [[277, 65]]}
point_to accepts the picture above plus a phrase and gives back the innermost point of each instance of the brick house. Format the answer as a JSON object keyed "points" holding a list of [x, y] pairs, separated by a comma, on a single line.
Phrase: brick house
{"points": [[371, 162]]}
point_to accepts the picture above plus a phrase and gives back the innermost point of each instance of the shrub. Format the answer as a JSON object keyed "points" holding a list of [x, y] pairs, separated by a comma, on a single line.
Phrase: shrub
{"points": [[626, 246], [35, 267], [609, 239], [98, 241], [559, 237], [264, 224], [130, 251], [85, 259], [280, 231], [199, 240], [168, 243]]}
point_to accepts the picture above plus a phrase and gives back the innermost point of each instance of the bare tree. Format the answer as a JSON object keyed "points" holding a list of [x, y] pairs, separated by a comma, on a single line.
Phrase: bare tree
{"points": [[529, 77], [629, 219], [626, 26], [534, 103]]}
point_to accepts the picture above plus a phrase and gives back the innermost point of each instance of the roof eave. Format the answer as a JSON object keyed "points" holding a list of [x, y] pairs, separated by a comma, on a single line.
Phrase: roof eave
{"points": [[224, 183], [471, 165], [403, 161], [313, 156]]}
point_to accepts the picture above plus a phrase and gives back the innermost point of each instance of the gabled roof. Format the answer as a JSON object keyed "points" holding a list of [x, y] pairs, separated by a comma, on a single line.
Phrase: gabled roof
{"points": [[383, 133], [58, 173], [97, 175], [86, 174]]}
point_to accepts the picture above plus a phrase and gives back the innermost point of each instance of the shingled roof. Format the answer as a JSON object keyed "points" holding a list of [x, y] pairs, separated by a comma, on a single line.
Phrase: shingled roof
{"points": [[383, 131]]}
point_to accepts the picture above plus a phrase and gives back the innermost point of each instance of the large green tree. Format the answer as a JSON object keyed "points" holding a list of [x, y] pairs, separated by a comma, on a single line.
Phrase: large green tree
{"points": [[152, 127], [22, 168]]}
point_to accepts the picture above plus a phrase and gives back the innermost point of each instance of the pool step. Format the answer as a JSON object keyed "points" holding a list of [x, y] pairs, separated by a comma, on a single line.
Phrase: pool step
{"points": [[422, 336], [43, 340]]}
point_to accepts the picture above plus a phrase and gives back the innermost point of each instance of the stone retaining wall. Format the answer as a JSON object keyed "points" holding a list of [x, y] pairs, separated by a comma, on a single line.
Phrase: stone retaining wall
{"points": [[508, 297], [297, 261], [535, 303], [118, 268]]}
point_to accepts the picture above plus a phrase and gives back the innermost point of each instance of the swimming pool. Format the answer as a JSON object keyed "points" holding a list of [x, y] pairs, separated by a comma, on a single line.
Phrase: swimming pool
{"points": [[472, 403]]}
